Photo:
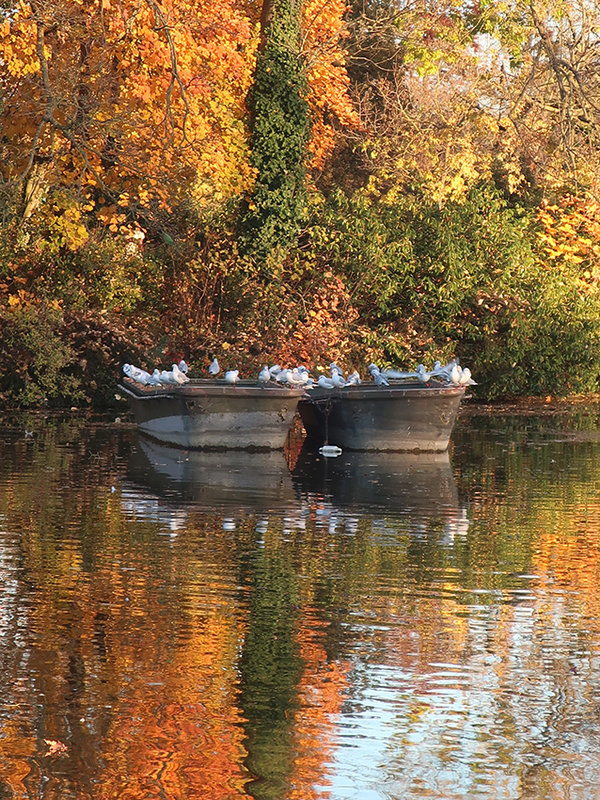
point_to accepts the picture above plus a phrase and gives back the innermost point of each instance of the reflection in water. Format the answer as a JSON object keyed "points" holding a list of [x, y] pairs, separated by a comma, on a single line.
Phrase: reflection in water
{"points": [[184, 625]]}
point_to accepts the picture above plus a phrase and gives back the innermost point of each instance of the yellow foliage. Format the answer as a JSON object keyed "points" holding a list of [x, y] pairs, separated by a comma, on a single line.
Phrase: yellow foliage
{"points": [[569, 236], [159, 94]]}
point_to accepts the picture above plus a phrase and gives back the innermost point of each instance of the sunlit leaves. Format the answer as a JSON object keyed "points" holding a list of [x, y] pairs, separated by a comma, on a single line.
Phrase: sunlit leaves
{"points": [[145, 99]]}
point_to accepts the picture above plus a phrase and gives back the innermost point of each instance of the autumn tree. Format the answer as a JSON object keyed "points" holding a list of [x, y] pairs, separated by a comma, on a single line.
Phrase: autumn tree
{"points": [[118, 111], [451, 94]]}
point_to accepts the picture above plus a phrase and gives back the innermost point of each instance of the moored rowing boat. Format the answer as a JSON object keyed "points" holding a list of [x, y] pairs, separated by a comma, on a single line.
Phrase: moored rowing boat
{"points": [[398, 417], [213, 414]]}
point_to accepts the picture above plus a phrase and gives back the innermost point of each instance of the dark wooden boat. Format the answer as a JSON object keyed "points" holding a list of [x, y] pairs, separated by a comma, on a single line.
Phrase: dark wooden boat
{"points": [[400, 417], [213, 414]]}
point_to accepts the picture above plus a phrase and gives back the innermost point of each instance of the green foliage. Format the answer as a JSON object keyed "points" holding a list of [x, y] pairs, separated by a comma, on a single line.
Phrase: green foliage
{"points": [[35, 357], [463, 279], [272, 216]]}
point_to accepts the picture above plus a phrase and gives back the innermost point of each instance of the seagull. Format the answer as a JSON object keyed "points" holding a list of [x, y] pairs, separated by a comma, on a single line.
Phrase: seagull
{"points": [[183, 367], [353, 379], [232, 376], [155, 378], [282, 376], [214, 368], [334, 368], [274, 370], [466, 379], [324, 382], [179, 375], [380, 380], [397, 375], [297, 378], [264, 376], [166, 377], [422, 374], [455, 374], [137, 374], [337, 379]]}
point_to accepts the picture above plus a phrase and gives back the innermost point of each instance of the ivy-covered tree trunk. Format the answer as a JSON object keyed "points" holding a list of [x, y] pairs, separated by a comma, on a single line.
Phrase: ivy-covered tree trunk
{"points": [[272, 215]]}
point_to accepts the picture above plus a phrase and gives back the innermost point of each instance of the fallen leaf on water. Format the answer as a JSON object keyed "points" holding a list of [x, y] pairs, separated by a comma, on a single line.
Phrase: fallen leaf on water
{"points": [[55, 748]]}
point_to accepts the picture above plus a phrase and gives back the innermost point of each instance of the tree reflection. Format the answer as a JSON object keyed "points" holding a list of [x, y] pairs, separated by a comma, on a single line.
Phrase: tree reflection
{"points": [[181, 645]]}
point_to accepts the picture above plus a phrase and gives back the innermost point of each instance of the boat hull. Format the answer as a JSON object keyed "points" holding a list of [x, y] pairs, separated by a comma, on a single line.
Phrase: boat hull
{"points": [[398, 418], [214, 414]]}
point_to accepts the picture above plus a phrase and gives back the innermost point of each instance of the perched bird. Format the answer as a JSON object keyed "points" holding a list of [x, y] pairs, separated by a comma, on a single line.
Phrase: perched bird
{"points": [[353, 379], [183, 367], [180, 377], [445, 372], [137, 374], [422, 373], [167, 377], [274, 370], [324, 382], [297, 378], [232, 376], [155, 378], [334, 368], [466, 379], [264, 376], [398, 375], [214, 368], [337, 379], [380, 380], [455, 374]]}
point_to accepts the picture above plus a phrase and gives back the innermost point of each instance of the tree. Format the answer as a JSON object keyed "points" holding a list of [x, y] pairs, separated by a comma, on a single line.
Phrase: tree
{"points": [[280, 132], [120, 110], [451, 94]]}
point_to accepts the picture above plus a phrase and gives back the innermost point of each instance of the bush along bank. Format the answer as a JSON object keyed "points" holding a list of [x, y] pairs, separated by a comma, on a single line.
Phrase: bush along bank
{"points": [[398, 281]]}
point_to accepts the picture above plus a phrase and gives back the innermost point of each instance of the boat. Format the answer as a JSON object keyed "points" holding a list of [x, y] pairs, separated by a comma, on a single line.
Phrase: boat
{"points": [[214, 414], [403, 416]]}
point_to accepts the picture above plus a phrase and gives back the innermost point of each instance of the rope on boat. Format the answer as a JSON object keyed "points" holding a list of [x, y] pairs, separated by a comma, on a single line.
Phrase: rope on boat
{"points": [[325, 405]]}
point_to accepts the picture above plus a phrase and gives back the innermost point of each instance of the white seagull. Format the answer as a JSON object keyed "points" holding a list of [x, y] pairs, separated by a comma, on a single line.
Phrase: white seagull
{"points": [[214, 368], [183, 367], [179, 375], [337, 379], [466, 379], [380, 380], [422, 373], [167, 377], [232, 376], [324, 382], [264, 376], [137, 374]]}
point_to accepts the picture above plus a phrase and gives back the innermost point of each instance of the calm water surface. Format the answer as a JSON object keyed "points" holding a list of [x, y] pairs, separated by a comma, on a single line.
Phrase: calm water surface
{"points": [[214, 626]]}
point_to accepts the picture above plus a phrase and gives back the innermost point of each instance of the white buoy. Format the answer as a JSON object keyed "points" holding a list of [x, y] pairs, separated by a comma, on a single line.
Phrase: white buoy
{"points": [[330, 450]]}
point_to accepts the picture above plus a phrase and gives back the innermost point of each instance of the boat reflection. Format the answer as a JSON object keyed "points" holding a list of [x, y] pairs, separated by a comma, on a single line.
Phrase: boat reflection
{"points": [[215, 479], [419, 486], [164, 483], [374, 480]]}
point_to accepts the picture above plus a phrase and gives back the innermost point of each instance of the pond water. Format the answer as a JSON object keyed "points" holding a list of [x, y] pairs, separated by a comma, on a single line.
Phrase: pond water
{"points": [[228, 626]]}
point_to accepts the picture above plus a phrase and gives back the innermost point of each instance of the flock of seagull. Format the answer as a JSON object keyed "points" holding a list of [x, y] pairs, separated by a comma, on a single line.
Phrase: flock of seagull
{"points": [[452, 373], [176, 376]]}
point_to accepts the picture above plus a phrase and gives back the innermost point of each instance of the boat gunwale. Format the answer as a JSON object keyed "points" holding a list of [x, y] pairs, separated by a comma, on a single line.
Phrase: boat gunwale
{"points": [[377, 392], [201, 387]]}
